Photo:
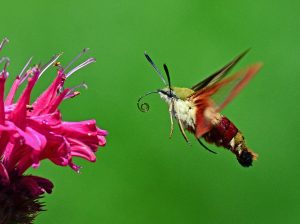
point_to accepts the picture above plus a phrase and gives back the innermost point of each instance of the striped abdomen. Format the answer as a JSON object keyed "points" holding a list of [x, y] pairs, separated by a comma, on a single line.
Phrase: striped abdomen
{"points": [[224, 133]]}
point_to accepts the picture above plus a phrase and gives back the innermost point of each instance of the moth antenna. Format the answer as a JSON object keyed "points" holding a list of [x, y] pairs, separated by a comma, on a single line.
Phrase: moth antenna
{"points": [[204, 146], [168, 76], [155, 67]]}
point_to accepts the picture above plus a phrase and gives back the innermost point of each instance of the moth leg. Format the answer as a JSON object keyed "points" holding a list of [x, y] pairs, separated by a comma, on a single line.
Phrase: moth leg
{"points": [[182, 131], [205, 147], [171, 119]]}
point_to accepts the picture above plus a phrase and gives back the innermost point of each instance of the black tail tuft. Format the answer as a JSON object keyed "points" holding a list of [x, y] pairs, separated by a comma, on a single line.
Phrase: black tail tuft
{"points": [[245, 158]]}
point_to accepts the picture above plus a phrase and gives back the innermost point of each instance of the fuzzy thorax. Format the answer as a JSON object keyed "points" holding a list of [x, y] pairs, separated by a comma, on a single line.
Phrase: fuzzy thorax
{"points": [[182, 110]]}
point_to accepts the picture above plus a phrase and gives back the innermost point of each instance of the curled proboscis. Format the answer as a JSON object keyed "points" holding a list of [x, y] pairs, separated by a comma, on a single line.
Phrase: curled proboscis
{"points": [[144, 107]]}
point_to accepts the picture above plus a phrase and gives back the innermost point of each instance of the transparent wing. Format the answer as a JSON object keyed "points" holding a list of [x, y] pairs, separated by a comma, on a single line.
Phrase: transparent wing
{"points": [[220, 74], [219, 94], [227, 90]]}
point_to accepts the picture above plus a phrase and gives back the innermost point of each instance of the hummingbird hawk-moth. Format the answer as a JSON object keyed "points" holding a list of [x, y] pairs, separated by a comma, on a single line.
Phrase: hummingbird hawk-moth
{"points": [[197, 109]]}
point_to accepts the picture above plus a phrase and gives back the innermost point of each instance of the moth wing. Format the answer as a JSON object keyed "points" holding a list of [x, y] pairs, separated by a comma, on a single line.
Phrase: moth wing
{"points": [[220, 74], [219, 95], [231, 87]]}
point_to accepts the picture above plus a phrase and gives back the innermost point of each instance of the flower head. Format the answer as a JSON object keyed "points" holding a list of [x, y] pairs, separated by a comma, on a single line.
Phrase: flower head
{"points": [[33, 131]]}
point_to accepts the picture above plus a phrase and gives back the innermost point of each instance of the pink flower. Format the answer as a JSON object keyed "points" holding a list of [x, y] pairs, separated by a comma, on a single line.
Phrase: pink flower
{"points": [[33, 131]]}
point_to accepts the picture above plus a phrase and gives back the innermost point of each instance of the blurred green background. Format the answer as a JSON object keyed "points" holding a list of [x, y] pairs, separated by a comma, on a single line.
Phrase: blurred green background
{"points": [[141, 176]]}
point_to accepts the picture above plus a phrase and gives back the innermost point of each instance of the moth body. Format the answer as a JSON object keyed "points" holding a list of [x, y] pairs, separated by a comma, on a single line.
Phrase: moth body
{"points": [[197, 110]]}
